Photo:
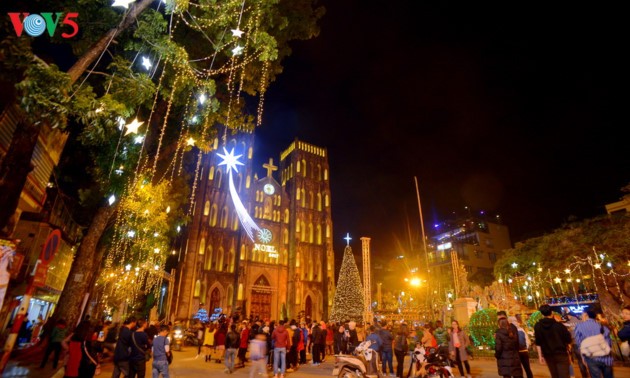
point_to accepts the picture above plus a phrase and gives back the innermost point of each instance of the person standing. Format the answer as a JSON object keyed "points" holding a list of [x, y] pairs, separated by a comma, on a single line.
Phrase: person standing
{"points": [[57, 335], [258, 355], [401, 347], [331, 338], [315, 335], [457, 348], [523, 346], [292, 355], [624, 332], [242, 348], [506, 351], [281, 340], [232, 342], [321, 340], [219, 342], [353, 340], [123, 346], [304, 331], [387, 350], [139, 349], [339, 344], [552, 342], [441, 337], [594, 343], [160, 351], [208, 342]]}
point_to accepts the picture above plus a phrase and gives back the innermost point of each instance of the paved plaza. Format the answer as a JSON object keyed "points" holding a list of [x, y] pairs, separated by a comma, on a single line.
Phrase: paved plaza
{"points": [[186, 365]]}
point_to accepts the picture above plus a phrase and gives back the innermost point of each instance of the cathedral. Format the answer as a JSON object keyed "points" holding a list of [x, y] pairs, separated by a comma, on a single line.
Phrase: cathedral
{"points": [[287, 267]]}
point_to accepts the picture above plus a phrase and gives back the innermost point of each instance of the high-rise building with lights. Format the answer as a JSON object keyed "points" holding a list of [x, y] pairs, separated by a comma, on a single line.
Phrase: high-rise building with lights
{"points": [[476, 242], [288, 269]]}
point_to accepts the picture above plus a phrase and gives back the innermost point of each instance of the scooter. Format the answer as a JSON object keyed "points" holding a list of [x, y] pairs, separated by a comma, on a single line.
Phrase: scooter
{"points": [[178, 339], [362, 363], [431, 364]]}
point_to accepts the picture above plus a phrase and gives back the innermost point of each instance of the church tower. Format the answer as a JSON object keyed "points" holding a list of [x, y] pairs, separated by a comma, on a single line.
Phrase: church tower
{"points": [[305, 178]]}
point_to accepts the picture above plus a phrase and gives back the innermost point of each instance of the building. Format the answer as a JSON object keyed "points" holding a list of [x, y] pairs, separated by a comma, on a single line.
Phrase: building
{"points": [[50, 144], [477, 243], [289, 266]]}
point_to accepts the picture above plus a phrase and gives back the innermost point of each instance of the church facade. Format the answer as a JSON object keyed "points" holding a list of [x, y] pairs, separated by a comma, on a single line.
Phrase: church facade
{"points": [[288, 267]]}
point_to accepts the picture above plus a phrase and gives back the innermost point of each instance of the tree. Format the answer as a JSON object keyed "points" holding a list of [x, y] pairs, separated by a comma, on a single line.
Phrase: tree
{"points": [[348, 303], [588, 255]]}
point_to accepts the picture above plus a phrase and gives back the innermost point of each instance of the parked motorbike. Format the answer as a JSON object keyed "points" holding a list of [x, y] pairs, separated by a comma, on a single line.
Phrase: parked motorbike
{"points": [[429, 364], [362, 363]]}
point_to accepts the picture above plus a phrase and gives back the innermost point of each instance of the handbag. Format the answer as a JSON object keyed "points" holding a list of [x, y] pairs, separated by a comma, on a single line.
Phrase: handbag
{"points": [[595, 346], [147, 353], [97, 371]]}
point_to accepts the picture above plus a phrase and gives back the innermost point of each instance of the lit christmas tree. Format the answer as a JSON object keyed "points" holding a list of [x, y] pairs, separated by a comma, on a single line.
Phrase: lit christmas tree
{"points": [[348, 303]]}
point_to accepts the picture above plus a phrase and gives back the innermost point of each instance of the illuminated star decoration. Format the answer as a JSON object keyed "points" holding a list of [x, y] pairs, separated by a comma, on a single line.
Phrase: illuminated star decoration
{"points": [[133, 126], [146, 63], [237, 32], [122, 3], [190, 141], [238, 50], [231, 162]]}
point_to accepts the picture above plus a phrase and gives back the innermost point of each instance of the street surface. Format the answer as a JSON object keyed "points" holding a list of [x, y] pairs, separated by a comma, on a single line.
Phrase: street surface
{"points": [[186, 365]]}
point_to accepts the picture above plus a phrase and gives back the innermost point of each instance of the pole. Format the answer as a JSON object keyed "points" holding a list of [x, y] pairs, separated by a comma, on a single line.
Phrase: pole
{"points": [[424, 239], [237, 268]]}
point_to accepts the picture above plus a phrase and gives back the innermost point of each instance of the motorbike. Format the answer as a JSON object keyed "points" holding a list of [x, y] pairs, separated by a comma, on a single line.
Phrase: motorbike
{"points": [[362, 363], [429, 364], [178, 339], [190, 337]]}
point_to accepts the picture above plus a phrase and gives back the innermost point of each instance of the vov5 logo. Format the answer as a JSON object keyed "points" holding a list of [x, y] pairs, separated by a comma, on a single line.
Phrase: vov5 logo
{"points": [[35, 24]]}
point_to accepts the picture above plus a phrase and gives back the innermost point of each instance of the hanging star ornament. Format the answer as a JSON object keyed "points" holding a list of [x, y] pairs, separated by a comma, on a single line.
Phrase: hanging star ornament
{"points": [[229, 160], [122, 3], [190, 141], [132, 128], [238, 50], [146, 63], [237, 33]]}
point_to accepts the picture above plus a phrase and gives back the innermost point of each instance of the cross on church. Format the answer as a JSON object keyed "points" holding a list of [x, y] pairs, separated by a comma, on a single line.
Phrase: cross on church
{"points": [[270, 167], [347, 239]]}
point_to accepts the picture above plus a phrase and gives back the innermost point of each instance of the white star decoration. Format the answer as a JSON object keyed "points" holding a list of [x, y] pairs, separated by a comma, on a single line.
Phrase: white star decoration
{"points": [[237, 50], [122, 3], [146, 63], [190, 141], [133, 126], [229, 160], [237, 33]]}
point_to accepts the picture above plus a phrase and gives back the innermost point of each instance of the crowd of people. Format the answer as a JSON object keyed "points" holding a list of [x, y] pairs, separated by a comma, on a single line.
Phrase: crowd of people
{"points": [[284, 346]]}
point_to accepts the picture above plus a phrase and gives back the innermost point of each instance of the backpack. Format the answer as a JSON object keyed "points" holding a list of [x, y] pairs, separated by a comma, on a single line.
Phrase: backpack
{"points": [[595, 346]]}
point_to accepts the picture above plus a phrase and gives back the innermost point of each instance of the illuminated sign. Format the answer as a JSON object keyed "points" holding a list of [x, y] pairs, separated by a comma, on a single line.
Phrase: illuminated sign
{"points": [[270, 249], [577, 309], [444, 246]]}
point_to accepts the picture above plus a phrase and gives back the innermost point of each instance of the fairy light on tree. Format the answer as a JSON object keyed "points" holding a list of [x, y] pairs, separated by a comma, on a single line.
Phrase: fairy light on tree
{"points": [[348, 302]]}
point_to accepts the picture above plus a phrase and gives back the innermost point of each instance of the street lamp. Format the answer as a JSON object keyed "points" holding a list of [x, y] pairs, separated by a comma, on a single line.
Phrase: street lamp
{"points": [[415, 281]]}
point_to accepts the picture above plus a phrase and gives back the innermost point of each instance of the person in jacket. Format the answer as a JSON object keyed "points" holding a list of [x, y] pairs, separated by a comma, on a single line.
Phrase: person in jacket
{"points": [[552, 342], [353, 339], [321, 340], [282, 341], [316, 332], [258, 355], [598, 365], [292, 355], [57, 335], [457, 348], [302, 351], [331, 337], [387, 350], [123, 348], [232, 342], [401, 347], [506, 351], [523, 346], [441, 337], [219, 342], [242, 349], [339, 342], [139, 347]]}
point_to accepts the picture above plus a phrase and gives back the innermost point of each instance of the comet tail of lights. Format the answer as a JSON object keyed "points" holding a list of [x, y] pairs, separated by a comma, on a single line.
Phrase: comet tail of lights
{"points": [[231, 161]]}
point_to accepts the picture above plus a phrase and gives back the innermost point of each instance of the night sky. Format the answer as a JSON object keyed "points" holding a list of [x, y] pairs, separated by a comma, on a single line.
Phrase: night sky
{"points": [[513, 109]]}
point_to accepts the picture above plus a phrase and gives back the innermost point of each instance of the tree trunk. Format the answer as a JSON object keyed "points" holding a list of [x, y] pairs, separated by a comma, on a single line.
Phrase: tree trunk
{"points": [[97, 49], [14, 170], [84, 267], [17, 163]]}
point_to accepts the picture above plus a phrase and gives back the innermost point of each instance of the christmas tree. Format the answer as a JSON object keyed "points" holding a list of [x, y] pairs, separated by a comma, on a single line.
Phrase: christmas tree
{"points": [[348, 303]]}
